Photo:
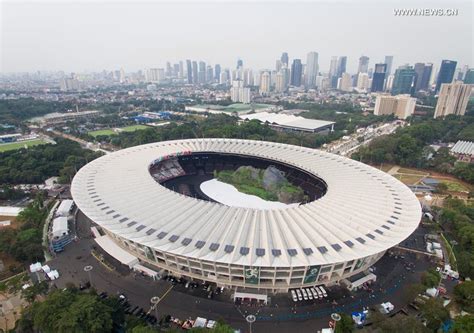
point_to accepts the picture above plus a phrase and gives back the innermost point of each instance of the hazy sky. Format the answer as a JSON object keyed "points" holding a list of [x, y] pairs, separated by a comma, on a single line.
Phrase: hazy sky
{"points": [[91, 36]]}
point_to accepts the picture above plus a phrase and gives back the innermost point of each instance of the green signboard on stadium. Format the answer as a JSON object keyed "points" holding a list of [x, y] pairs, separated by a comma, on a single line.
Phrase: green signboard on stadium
{"points": [[311, 274], [251, 274]]}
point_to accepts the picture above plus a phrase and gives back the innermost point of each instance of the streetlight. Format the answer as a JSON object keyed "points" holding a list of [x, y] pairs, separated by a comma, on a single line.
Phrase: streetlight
{"points": [[336, 317], [155, 300], [250, 319], [88, 269]]}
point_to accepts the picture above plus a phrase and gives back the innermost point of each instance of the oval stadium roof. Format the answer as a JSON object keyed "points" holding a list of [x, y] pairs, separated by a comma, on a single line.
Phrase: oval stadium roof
{"points": [[365, 211]]}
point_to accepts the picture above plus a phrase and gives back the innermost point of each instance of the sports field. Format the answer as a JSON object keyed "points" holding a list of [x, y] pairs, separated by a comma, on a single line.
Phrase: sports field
{"points": [[109, 131], [17, 145]]}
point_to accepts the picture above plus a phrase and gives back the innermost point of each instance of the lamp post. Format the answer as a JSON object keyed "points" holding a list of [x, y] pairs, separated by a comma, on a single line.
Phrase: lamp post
{"points": [[250, 319], [88, 269], [155, 300], [336, 317]]}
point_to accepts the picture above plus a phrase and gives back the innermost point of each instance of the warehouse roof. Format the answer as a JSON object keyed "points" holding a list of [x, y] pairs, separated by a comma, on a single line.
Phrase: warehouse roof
{"points": [[364, 211], [463, 147]]}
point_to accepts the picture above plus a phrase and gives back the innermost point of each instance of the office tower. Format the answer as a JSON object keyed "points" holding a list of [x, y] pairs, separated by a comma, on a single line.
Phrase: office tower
{"points": [[202, 72], [422, 76], [446, 73], [280, 82], [389, 62], [469, 77], [363, 64], [402, 106], [238, 93], [248, 77], [195, 72], [189, 71], [341, 66], [363, 81], [209, 74], [224, 77], [403, 80], [296, 72], [378, 77], [240, 63], [278, 65], [175, 70], [284, 58], [312, 69], [452, 99], [389, 83], [265, 82], [346, 82], [169, 70], [333, 71], [217, 73], [181, 70]]}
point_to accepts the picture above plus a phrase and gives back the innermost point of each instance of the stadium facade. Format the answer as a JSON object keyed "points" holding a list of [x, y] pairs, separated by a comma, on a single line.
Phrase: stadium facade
{"points": [[355, 213]]}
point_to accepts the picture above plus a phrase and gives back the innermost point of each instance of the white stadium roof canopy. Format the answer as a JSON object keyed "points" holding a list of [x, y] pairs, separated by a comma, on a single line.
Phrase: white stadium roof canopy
{"points": [[364, 211]]}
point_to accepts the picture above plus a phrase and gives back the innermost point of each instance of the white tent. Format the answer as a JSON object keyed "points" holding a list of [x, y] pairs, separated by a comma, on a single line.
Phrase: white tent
{"points": [[200, 322], [109, 246], [53, 275], [46, 269], [64, 208], [60, 227], [36, 267]]}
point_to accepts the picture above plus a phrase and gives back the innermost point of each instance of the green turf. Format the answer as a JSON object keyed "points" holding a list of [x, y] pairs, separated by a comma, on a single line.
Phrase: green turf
{"points": [[454, 186], [18, 145], [108, 131]]}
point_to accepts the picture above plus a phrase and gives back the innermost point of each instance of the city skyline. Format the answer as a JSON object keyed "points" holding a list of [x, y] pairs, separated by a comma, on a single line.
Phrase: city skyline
{"points": [[132, 38]]}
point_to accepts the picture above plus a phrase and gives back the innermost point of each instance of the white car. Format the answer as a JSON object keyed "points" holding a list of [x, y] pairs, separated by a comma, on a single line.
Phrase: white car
{"points": [[323, 291], [310, 294], [315, 294], [305, 294], [293, 296], [320, 294], [300, 297]]}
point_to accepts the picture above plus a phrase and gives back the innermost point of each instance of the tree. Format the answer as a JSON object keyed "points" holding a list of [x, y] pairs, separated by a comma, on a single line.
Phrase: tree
{"points": [[345, 325], [464, 295], [430, 278], [435, 313], [412, 291], [399, 324], [463, 324]]}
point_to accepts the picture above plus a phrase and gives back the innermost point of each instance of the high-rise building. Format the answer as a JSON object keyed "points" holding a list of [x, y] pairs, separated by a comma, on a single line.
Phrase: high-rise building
{"points": [[345, 83], [217, 72], [265, 82], [284, 58], [469, 77], [209, 74], [333, 72], [248, 77], [341, 65], [402, 106], [224, 77], [240, 63], [422, 76], [181, 70], [202, 72], [189, 71], [151, 75], [296, 73], [278, 65], [363, 64], [389, 62], [453, 99], [403, 80], [312, 69], [378, 77], [280, 85], [239, 93], [363, 81], [195, 73], [446, 73]]}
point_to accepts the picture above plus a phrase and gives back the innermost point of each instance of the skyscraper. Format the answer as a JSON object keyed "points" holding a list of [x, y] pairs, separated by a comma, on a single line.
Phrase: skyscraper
{"points": [[452, 99], [389, 62], [296, 72], [403, 80], [341, 65], [346, 82], [195, 72], [378, 77], [239, 93], [312, 69], [189, 71], [240, 63], [333, 71], [202, 72], [446, 73], [217, 72], [209, 74], [181, 70], [284, 58], [469, 77], [363, 64], [422, 76], [280, 82], [265, 82]]}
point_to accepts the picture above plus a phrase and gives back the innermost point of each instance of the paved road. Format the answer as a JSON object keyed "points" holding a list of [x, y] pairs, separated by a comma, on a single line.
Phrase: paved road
{"points": [[282, 316]]}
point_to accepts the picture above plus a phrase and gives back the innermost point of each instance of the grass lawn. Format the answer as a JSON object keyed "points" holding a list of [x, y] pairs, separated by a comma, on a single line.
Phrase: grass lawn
{"points": [[109, 131], [411, 171], [18, 145], [408, 179], [454, 186]]}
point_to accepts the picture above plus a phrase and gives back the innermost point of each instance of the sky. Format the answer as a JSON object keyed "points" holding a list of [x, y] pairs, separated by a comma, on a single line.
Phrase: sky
{"points": [[89, 36]]}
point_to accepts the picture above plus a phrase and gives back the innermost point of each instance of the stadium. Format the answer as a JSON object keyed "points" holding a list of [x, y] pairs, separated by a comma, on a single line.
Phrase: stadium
{"points": [[147, 200]]}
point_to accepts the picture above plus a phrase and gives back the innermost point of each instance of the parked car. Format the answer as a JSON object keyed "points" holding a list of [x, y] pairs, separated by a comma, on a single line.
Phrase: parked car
{"points": [[294, 296]]}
